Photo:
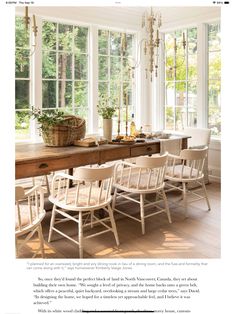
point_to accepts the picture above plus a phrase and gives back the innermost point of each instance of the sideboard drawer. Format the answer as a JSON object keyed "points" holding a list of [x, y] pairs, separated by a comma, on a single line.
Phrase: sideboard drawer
{"points": [[144, 150]]}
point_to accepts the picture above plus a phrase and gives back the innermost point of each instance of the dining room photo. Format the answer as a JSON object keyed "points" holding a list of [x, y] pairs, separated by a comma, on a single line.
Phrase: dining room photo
{"points": [[117, 132]]}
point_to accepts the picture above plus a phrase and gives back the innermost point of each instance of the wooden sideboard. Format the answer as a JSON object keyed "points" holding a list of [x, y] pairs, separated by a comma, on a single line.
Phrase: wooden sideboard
{"points": [[38, 159]]}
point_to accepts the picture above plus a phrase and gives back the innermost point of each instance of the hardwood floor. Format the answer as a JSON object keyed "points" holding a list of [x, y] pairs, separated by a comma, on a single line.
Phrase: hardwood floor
{"points": [[197, 236]]}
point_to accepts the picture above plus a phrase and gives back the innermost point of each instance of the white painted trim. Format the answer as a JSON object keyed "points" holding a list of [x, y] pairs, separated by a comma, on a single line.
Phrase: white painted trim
{"points": [[84, 21], [191, 21], [214, 179]]}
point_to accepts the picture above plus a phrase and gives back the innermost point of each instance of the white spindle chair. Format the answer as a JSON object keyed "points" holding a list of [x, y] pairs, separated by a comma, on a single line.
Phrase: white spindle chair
{"points": [[90, 192], [144, 177], [185, 168], [29, 213], [200, 138]]}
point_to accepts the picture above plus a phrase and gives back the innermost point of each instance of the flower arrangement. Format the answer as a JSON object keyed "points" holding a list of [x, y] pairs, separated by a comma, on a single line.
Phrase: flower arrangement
{"points": [[105, 108]]}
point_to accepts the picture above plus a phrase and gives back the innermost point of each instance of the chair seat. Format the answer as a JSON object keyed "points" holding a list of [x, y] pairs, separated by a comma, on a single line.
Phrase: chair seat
{"points": [[25, 217], [185, 173], [133, 183], [96, 198]]}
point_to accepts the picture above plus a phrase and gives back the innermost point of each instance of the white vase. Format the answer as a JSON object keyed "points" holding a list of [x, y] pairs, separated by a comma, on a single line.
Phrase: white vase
{"points": [[107, 129]]}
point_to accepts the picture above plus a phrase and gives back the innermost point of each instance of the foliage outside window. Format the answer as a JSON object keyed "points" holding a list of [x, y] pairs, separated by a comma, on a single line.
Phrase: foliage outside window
{"points": [[22, 80], [181, 80], [65, 68], [214, 79], [114, 76]]}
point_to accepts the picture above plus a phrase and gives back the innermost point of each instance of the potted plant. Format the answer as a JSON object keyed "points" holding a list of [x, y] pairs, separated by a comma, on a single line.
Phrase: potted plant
{"points": [[106, 110], [58, 129]]}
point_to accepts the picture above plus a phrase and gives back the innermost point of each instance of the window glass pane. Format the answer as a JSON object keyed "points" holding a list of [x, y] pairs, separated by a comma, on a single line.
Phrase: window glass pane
{"points": [[192, 67], [65, 94], [103, 89], [22, 63], [64, 66], [192, 104], [180, 118], [115, 41], [115, 72], [103, 68], [81, 94], [169, 59], [103, 42], [214, 56], [129, 45], [214, 107], [65, 37], [214, 65], [192, 40], [81, 39], [170, 105], [126, 69], [114, 69], [22, 125], [181, 69], [214, 37], [81, 67], [49, 65], [49, 31], [22, 94], [49, 94], [170, 94], [22, 34]]}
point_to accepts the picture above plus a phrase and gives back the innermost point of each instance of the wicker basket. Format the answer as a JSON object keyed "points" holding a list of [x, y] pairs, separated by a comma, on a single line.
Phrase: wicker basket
{"points": [[72, 128]]}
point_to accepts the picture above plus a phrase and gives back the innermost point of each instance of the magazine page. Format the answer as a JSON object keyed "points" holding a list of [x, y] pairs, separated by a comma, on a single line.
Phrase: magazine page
{"points": [[113, 115]]}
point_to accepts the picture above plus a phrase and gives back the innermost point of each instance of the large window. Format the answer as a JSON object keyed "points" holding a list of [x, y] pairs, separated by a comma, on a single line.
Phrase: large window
{"points": [[214, 70], [65, 68], [181, 79], [22, 80], [115, 52]]}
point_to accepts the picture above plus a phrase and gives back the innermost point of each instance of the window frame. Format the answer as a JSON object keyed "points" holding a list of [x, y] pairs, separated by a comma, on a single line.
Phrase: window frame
{"points": [[122, 82]]}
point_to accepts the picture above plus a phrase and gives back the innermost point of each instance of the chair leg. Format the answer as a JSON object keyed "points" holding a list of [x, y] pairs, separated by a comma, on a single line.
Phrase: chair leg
{"points": [[41, 240], [92, 218], [52, 223], [47, 184], [206, 196], [114, 199], [17, 252], [142, 213], [113, 224], [80, 234], [166, 206], [185, 199]]}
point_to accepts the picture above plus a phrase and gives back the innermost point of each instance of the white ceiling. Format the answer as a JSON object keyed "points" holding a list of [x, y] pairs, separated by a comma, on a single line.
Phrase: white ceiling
{"points": [[126, 16]]}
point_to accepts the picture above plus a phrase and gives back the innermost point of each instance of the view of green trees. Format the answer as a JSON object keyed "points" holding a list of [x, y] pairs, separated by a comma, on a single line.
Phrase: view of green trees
{"points": [[65, 68], [181, 79], [115, 82]]}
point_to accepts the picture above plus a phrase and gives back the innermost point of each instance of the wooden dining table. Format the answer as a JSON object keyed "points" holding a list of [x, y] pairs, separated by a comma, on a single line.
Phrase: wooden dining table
{"points": [[36, 159]]}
